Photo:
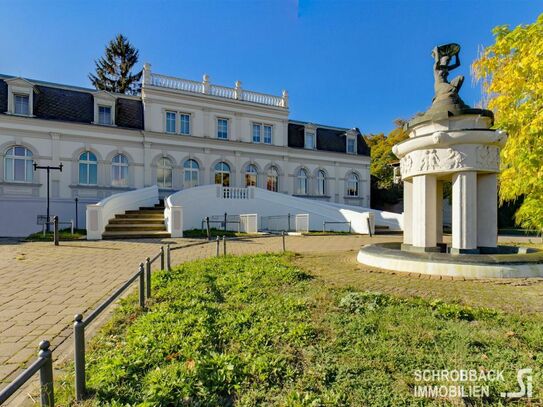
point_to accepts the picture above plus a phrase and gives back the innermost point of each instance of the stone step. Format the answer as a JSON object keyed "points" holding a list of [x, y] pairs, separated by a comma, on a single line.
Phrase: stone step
{"points": [[137, 219], [136, 235], [140, 214], [135, 227], [150, 209], [145, 210]]}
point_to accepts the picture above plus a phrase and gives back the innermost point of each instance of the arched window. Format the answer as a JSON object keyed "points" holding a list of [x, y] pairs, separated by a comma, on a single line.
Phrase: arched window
{"points": [[88, 169], [352, 184], [272, 180], [119, 171], [321, 182], [222, 174], [192, 173], [18, 164], [251, 175], [301, 182], [164, 171]]}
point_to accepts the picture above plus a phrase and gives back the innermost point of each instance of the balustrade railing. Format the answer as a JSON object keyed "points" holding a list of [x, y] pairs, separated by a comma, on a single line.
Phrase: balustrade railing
{"points": [[235, 193], [204, 87]]}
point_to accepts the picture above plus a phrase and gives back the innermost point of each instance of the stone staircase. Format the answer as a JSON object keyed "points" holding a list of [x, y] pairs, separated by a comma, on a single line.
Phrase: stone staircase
{"points": [[135, 224]]}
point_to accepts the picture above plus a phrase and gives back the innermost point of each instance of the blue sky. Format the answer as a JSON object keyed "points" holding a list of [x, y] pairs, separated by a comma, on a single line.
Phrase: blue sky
{"points": [[344, 63]]}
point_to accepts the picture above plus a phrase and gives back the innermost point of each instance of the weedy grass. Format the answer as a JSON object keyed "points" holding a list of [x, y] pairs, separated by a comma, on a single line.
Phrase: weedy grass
{"points": [[257, 331], [64, 234]]}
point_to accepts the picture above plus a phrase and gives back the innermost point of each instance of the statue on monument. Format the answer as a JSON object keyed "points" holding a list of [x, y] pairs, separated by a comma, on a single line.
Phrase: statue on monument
{"points": [[446, 58]]}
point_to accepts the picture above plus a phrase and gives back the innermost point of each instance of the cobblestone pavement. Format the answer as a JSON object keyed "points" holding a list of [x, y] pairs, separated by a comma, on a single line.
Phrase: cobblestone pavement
{"points": [[44, 286]]}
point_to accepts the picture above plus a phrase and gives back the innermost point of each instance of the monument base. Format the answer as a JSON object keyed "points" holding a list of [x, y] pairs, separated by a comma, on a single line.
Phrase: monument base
{"points": [[501, 262]]}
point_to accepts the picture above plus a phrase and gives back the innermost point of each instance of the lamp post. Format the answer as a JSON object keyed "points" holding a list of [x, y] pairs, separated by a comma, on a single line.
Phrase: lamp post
{"points": [[48, 168]]}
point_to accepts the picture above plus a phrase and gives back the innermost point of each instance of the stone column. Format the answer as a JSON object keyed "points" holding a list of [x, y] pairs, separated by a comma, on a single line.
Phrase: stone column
{"points": [[407, 211], [487, 210], [439, 212], [424, 212], [464, 212]]}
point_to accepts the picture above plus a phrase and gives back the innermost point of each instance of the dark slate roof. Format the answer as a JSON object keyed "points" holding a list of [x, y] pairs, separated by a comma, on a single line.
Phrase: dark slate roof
{"points": [[62, 104], [3, 96], [129, 113], [74, 104], [328, 139]]}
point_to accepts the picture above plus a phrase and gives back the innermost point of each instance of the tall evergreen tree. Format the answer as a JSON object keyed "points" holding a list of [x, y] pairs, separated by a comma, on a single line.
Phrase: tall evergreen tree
{"points": [[113, 70]]}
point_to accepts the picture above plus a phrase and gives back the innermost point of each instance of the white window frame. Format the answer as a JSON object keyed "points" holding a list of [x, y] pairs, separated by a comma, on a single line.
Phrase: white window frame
{"points": [[110, 115], [227, 128], [20, 87], [270, 176], [299, 179], [348, 182], [262, 136], [192, 170], [28, 157], [259, 125], [251, 174], [122, 166], [87, 163], [181, 114], [104, 99], [321, 182], [166, 113], [160, 165]]}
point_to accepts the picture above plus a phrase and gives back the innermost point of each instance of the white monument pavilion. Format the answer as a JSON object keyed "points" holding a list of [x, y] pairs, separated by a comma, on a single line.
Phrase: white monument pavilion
{"points": [[450, 142]]}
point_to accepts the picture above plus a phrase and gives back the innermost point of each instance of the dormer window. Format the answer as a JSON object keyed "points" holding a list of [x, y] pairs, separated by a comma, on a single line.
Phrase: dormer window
{"points": [[351, 145], [104, 108], [309, 141], [351, 137], [104, 115], [20, 96], [21, 104]]}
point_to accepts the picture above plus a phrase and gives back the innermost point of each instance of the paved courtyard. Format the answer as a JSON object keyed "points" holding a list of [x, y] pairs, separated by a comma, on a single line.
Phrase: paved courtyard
{"points": [[44, 286]]}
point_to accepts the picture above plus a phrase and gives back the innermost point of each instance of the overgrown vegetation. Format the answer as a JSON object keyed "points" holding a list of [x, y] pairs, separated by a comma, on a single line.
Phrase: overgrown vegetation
{"points": [[256, 330], [64, 234]]}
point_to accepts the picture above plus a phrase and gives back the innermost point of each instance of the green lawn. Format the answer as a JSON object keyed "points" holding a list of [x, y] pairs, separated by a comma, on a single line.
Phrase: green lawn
{"points": [[257, 330], [198, 233]]}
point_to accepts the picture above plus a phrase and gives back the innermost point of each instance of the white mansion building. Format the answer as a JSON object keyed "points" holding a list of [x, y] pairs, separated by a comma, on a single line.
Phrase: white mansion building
{"points": [[177, 134]]}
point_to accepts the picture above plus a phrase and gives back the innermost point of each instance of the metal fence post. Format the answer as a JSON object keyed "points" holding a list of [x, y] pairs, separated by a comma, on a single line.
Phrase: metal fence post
{"points": [[162, 257], [369, 226], [46, 375], [224, 245], [79, 357], [218, 246], [168, 258], [289, 222], [72, 222], [225, 217], [55, 229], [283, 236], [142, 286], [208, 228], [148, 276]]}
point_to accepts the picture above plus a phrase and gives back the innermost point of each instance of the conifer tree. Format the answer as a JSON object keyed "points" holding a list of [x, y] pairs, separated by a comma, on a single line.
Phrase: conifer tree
{"points": [[113, 70]]}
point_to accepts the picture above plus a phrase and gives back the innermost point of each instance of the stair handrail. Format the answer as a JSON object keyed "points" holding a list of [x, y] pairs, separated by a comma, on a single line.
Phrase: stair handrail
{"points": [[99, 214]]}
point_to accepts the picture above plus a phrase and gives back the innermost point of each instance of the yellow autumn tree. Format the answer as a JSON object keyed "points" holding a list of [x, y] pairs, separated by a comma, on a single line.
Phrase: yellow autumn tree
{"points": [[511, 72]]}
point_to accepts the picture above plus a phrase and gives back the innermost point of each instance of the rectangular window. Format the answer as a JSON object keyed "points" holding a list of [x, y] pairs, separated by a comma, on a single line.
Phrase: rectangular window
{"points": [[104, 115], [171, 118], [222, 129], [351, 145], [309, 141], [268, 134], [257, 132], [22, 104], [184, 120]]}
